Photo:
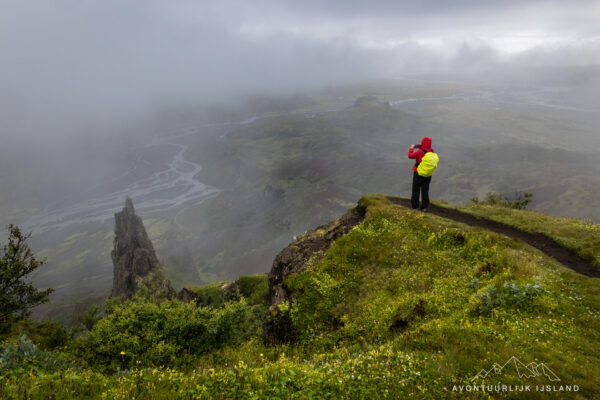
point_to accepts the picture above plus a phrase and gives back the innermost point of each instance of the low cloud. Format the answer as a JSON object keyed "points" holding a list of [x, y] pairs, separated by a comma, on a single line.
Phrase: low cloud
{"points": [[66, 66]]}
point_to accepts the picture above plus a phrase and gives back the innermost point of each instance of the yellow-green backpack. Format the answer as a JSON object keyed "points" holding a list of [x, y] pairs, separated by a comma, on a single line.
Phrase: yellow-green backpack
{"points": [[428, 164]]}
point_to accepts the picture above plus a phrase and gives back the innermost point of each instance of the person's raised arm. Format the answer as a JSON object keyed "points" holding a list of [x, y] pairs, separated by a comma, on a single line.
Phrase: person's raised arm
{"points": [[412, 153]]}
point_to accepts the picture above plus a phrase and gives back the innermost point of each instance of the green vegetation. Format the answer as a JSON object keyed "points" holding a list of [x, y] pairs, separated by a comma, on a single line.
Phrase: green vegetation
{"points": [[583, 237], [406, 305], [511, 294], [46, 335], [254, 289], [496, 199], [166, 333], [211, 294], [17, 296], [23, 356], [90, 317]]}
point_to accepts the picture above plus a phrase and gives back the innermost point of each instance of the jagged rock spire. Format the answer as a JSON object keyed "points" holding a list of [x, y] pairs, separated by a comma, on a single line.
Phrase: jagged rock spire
{"points": [[133, 255]]}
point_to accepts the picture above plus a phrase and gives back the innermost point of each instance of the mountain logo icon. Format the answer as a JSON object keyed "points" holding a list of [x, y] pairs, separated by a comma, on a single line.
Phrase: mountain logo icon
{"points": [[513, 364]]}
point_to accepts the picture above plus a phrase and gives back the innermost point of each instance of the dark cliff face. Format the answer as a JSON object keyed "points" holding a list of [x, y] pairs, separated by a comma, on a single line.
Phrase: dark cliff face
{"points": [[277, 327], [133, 255]]}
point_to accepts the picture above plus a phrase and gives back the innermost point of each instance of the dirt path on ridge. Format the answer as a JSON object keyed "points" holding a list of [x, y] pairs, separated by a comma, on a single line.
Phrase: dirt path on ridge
{"points": [[538, 240]]}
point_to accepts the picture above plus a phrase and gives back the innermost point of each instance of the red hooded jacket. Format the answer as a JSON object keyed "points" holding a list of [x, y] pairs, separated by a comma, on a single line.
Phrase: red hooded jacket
{"points": [[418, 154]]}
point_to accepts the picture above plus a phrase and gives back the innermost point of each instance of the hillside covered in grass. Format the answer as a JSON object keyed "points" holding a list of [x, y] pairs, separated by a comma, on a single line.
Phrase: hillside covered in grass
{"points": [[582, 237], [405, 305]]}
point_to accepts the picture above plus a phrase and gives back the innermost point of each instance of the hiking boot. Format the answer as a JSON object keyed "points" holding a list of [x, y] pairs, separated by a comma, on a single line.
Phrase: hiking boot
{"points": [[424, 210]]}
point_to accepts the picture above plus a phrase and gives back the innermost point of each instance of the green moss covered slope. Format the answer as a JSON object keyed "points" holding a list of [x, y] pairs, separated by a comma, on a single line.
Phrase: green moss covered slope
{"points": [[406, 305]]}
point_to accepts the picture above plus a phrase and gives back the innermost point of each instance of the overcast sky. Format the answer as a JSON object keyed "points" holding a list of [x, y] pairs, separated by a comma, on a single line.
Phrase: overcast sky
{"points": [[69, 60]]}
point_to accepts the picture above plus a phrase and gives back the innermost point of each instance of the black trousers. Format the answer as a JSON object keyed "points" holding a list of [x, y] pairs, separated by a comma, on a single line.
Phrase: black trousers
{"points": [[420, 186]]}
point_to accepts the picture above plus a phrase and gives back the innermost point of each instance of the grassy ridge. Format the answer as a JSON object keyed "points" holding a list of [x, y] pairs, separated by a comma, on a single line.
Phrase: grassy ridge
{"points": [[583, 237], [405, 305]]}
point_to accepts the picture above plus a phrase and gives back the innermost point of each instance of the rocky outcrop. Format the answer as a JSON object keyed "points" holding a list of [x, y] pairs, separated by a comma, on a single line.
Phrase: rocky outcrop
{"points": [[229, 291], [185, 295], [135, 263], [277, 327]]}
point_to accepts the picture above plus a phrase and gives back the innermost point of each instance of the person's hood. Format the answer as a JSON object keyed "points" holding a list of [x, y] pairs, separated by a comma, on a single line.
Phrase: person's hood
{"points": [[426, 143]]}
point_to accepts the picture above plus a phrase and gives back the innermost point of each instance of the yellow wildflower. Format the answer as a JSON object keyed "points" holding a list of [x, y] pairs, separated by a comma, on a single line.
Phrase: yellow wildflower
{"points": [[122, 353]]}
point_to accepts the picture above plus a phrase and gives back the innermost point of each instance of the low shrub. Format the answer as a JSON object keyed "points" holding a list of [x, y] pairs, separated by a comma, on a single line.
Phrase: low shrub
{"points": [[46, 334], [24, 354], [144, 333], [510, 295], [520, 202]]}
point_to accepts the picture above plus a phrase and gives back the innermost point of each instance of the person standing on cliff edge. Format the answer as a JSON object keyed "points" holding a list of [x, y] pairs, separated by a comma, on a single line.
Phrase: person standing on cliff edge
{"points": [[425, 164]]}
